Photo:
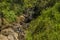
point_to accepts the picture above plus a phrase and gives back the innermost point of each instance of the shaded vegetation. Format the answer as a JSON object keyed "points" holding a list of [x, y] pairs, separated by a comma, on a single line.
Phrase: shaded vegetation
{"points": [[43, 17], [46, 26]]}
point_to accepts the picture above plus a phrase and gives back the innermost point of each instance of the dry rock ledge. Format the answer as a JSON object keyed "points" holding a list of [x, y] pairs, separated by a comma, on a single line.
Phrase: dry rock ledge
{"points": [[14, 31]]}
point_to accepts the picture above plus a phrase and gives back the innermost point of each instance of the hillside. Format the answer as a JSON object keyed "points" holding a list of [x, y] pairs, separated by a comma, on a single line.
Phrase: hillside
{"points": [[29, 19]]}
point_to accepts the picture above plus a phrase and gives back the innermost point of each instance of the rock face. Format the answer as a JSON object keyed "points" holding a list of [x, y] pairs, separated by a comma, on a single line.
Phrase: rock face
{"points": [[2, 37], [10, 34], [14, 32]]}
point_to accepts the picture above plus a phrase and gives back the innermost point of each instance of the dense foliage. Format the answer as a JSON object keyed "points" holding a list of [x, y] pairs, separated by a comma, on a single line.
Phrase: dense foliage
{"points": [[17, 7], [45, 14], [46, 26]]}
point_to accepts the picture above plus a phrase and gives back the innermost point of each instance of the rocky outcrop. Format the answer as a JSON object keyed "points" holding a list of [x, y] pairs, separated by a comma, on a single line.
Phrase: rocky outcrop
{"points": [[2, 37], [12, 32], [9, 34], [15, 30]]}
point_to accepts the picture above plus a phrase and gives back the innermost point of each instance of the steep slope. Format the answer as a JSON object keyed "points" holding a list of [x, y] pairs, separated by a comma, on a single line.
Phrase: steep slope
{"points": [[46, 26]]}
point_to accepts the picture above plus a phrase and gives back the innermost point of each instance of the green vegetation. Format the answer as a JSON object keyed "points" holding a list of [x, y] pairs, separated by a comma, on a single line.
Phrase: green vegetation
{"points": [[17, 7], [45, 25]]}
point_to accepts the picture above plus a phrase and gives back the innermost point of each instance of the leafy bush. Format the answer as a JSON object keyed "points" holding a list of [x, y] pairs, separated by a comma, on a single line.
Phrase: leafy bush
{"points": [[46, 26], [9, 15]]}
